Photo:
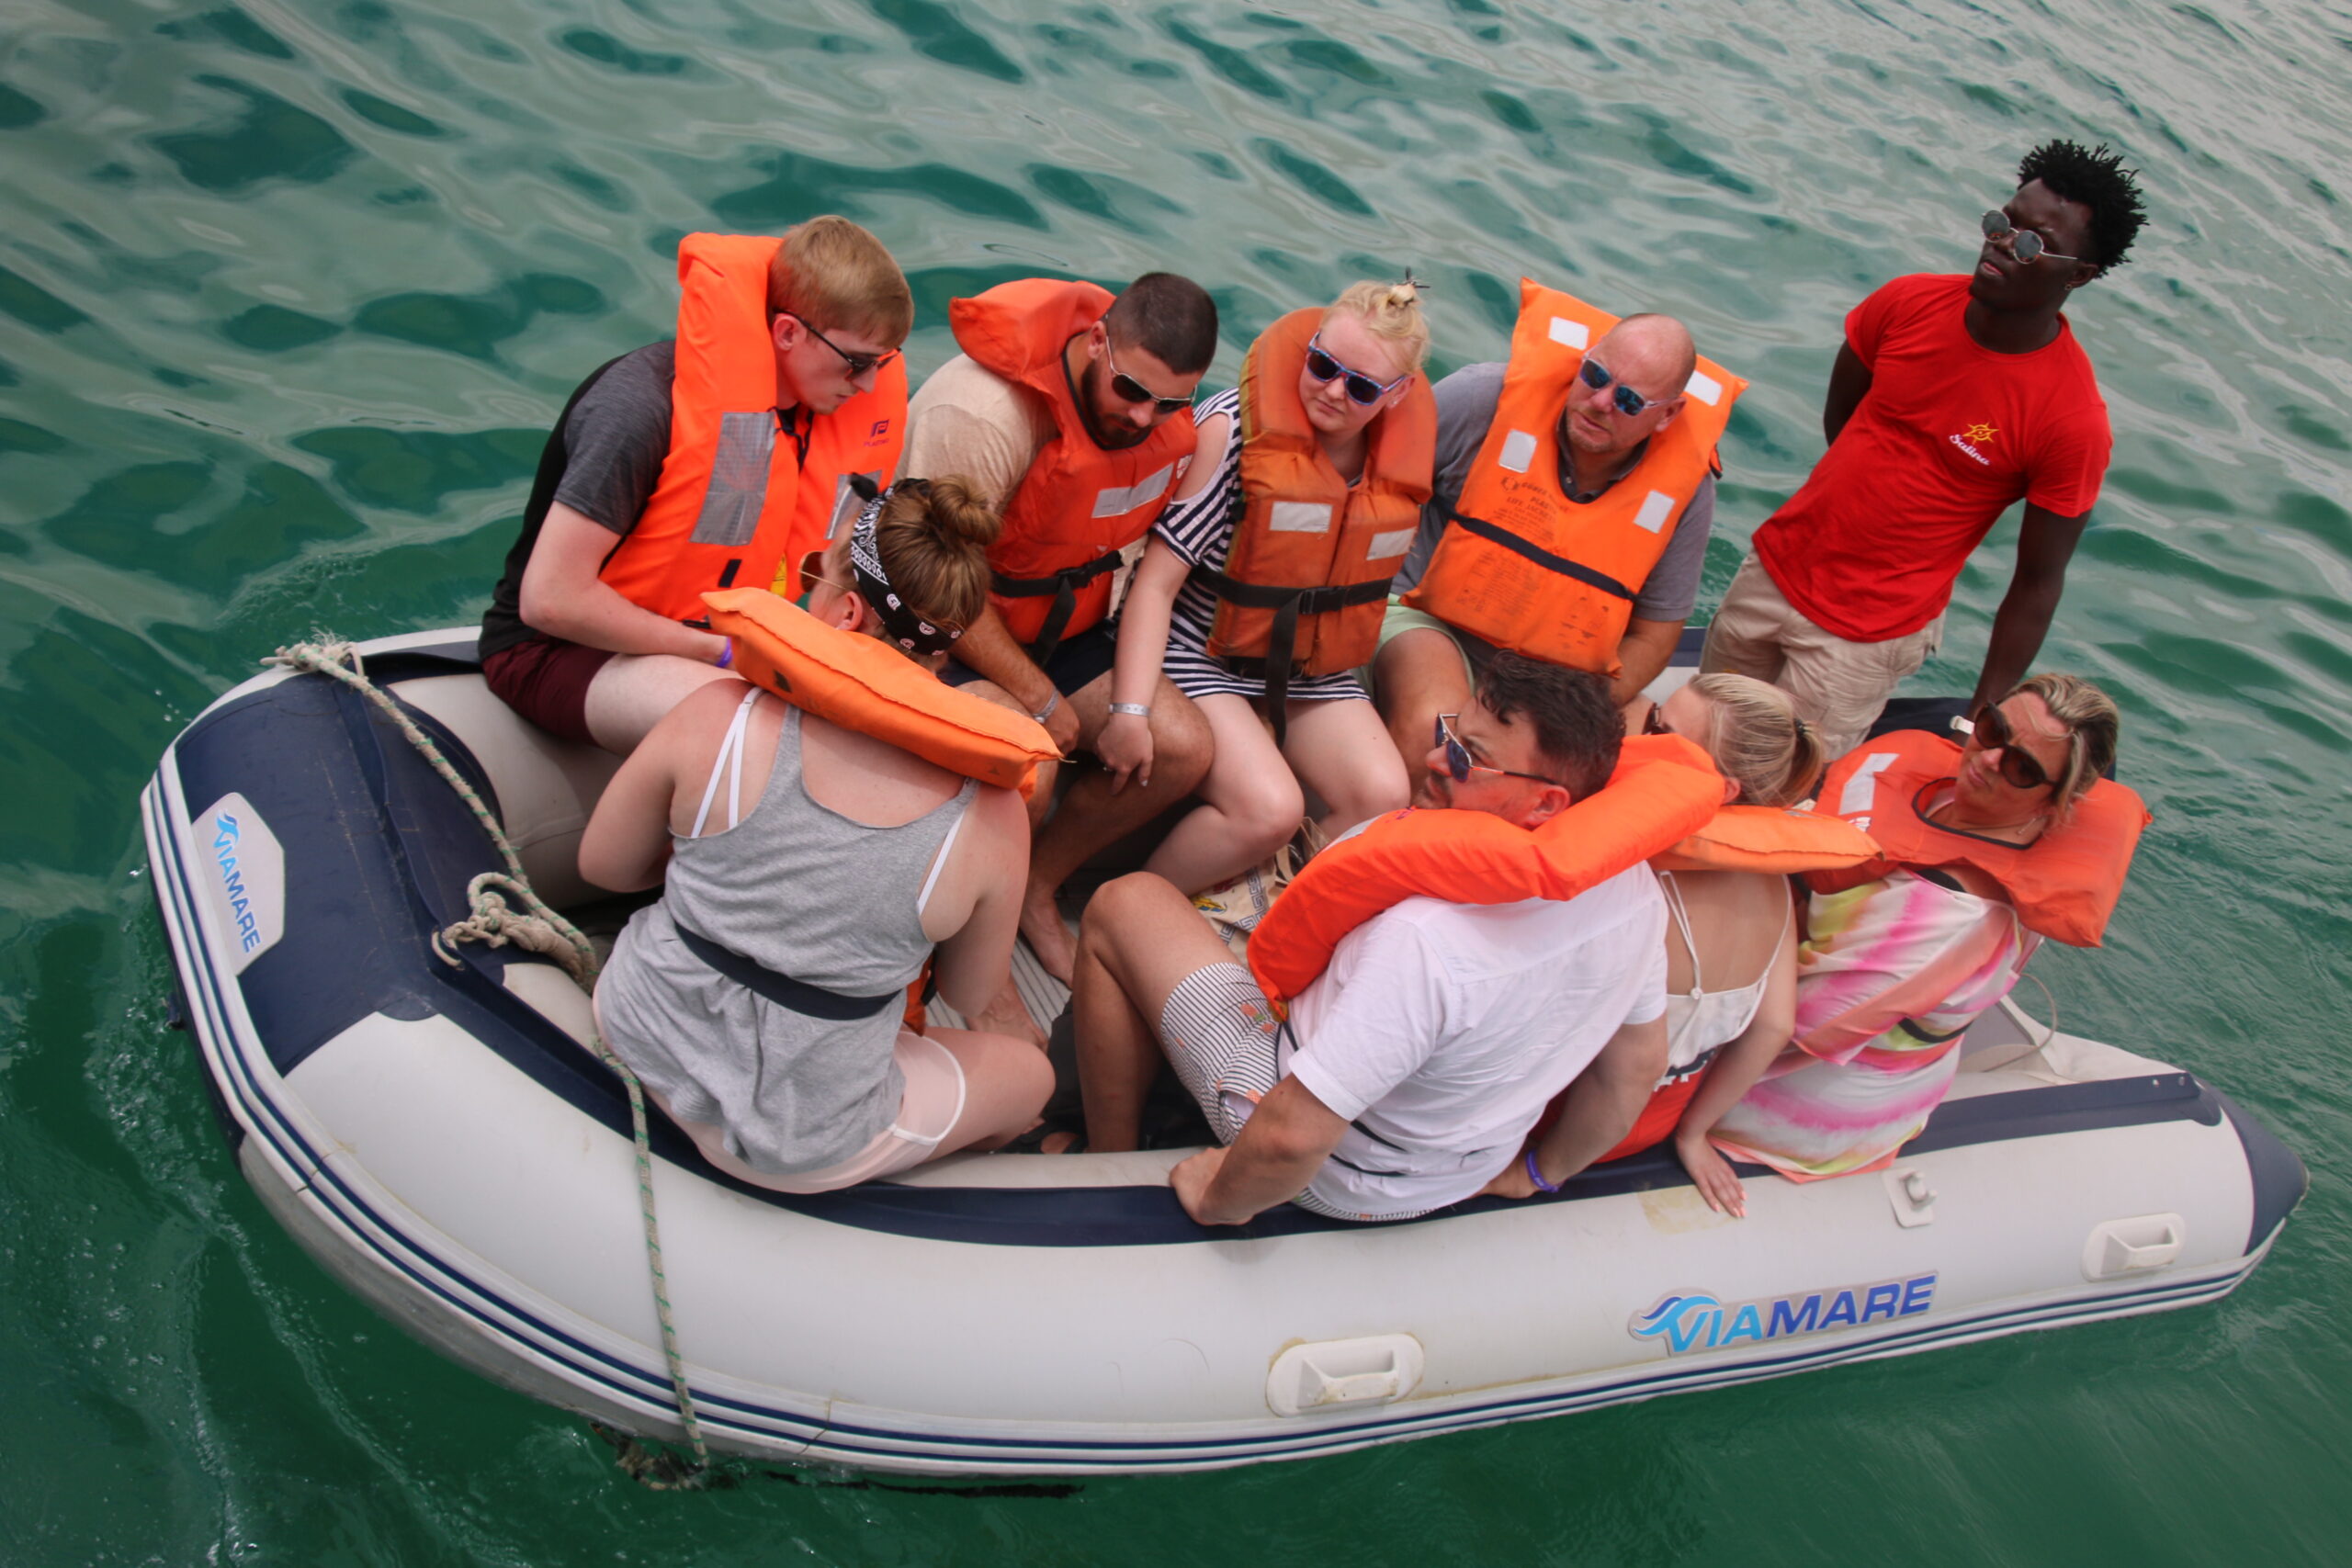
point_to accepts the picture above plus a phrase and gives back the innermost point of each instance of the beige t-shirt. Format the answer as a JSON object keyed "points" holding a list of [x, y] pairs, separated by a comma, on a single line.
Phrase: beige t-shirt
{"points": [[971, 423]]}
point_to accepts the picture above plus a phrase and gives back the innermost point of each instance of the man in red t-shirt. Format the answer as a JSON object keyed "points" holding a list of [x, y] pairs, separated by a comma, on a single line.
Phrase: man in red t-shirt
{"points": [[1953, 398]]}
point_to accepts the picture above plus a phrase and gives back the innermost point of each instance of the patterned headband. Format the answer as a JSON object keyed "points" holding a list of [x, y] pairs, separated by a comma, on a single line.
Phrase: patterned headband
{"points": [[900, 621]]}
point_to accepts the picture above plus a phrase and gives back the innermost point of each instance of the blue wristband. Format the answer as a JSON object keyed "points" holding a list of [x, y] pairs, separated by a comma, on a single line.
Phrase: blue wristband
{"points": [[726, 656], [1536, 1176]]}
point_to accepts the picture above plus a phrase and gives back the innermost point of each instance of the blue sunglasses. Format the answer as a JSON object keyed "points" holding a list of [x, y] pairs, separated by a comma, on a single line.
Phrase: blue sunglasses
{"points": [[1629, 403]]}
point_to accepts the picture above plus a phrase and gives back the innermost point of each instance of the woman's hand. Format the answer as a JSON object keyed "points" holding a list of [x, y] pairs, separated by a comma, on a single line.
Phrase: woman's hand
{"points": [[1124, 747], [1712, 1174]]}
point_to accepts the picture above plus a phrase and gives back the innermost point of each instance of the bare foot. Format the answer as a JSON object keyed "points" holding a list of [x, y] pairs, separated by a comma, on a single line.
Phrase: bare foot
{"points": [[1009, 1015], [1048, 938]]}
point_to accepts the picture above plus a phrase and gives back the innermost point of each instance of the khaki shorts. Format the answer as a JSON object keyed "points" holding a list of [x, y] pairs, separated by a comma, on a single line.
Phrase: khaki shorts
{"points": [[1838, 686]]}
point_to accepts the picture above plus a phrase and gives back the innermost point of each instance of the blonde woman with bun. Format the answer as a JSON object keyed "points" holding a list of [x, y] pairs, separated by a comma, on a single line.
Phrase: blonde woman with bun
{"points": [[811, 871], [1364, 361]]}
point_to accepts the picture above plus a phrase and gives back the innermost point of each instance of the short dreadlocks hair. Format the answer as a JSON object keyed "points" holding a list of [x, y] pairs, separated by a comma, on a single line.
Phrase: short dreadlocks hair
{"points": [[2097, 178]]}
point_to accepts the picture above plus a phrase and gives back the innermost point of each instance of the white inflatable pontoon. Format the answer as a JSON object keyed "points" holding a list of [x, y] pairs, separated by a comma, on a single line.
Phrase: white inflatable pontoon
{"points": [[439, 1139]]}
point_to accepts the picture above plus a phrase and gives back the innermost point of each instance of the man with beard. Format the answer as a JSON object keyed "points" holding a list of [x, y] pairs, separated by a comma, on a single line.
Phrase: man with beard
{"points": [[1071, 411], [1406, 1075], [1953, 398]]}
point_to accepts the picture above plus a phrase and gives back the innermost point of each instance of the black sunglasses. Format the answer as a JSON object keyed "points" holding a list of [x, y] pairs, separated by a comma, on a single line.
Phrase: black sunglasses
{"points": [[1457, 757], [2024, 244], [1629, 403], [1134, 391], [859, 363], [2020, 767], [1654, 721], [1325, 366]]}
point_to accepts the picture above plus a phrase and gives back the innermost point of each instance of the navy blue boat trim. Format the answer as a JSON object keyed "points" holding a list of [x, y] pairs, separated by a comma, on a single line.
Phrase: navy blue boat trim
{"points": [[2279, 1179]]}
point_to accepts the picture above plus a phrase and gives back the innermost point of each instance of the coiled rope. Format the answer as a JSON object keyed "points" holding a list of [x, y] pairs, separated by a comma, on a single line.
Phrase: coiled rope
{"points": [[539, 928]]}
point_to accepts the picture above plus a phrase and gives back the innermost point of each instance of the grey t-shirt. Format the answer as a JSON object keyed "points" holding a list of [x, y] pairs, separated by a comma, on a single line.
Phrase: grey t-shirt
{"points": [[1467, 401], [611, 444]]}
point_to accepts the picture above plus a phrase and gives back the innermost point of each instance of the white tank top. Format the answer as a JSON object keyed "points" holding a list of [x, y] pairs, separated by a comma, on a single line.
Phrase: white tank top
{"points": [[1703, 1022]]}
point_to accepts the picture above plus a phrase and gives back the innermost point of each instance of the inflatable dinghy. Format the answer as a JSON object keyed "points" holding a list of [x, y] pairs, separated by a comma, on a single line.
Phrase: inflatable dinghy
{"points": [[438, 1136]]}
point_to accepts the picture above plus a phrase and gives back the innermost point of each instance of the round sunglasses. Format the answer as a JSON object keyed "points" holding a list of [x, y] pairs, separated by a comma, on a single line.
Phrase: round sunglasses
{"points": [[2020, 768], [2024, 244], [1457, 756], [1325, 366]]}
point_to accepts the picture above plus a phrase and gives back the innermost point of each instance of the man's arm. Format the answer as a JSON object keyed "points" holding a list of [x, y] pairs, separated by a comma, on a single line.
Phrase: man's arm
{"points": [[1282, 1147], [2044, 547], [562, 595], [1641, 652], [1849, 378], [989, 647], [1598, 1108]]}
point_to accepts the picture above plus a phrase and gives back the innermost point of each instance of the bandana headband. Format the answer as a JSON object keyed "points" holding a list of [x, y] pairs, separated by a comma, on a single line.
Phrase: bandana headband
{"points": [[900, 622]]}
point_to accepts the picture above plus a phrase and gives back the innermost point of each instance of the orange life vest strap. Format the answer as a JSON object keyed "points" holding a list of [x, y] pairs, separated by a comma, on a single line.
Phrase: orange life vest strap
{"points": [[1664, 788], [862, 684]]}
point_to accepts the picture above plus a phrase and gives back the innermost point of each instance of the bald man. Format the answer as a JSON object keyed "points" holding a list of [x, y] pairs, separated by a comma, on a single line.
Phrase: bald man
{"points": [[1604, 408]]}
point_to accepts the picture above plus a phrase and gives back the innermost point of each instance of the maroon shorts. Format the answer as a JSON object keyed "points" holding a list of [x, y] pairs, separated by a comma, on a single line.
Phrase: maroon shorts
{"points": [[545, 680]]}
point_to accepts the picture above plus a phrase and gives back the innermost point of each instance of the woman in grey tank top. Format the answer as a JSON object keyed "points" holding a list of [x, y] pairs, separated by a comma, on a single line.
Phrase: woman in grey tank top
{"points": [[811, 871]]}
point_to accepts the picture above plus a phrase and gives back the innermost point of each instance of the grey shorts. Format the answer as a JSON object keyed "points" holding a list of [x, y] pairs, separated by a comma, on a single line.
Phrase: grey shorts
{"points": [[1223, 1040]]}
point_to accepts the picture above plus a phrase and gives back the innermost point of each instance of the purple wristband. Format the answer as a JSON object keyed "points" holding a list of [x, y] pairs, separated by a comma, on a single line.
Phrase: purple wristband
{"points": [[726, 656], [1536, 1176]]}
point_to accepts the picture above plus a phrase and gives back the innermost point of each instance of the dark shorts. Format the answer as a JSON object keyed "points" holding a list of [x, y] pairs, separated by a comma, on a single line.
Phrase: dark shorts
{"points": [[1080, 661], [545, 680]]}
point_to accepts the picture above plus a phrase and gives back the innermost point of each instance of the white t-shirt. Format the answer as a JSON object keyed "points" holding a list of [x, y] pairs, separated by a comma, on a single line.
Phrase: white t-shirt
{"points": [[1440, 1031]]}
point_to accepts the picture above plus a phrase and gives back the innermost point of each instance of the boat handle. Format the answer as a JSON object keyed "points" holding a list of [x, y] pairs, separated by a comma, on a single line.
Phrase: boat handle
{"points": [[1331, 1373], [2133, 1246]]}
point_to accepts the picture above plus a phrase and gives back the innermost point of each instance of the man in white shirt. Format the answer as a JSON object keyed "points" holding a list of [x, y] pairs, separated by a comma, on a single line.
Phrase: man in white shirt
{"points": [[1412, 1070]]}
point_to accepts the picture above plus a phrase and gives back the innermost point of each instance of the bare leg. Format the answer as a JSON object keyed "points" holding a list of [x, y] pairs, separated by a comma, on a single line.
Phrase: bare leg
{"points": [[1006, 1084], [1418, 676], [1092, 817], [1140, 940], [1251, 803], [632, 692], [1338, 748]]}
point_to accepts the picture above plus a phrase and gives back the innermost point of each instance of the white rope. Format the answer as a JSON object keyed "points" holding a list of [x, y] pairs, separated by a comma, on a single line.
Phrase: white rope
{"points": [[537, 929]]}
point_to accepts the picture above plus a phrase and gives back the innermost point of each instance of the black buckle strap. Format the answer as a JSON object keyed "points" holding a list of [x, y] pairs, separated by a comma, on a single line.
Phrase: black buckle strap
{"points": [[1282, 638], [811, 1001], [1543, 556], [1063, 586]]}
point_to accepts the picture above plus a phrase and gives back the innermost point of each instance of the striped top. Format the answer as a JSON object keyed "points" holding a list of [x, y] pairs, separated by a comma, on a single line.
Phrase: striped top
{"points": [[1201, 531]]}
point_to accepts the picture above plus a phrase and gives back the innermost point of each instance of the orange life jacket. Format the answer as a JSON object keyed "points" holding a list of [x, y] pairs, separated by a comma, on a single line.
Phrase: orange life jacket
{"points": [[1080, 502], [1664, 789], [1770, 837], [862, 684], [1522, 565], [2063, 885], [1306, 578], [739, 500]]}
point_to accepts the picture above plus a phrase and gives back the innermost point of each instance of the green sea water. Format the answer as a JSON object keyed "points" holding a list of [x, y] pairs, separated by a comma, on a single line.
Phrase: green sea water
{"points": [[289, 291]]}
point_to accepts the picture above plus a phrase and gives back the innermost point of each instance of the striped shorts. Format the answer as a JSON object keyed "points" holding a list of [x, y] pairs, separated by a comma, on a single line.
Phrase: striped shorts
{"points": [[1223, 1040]]}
